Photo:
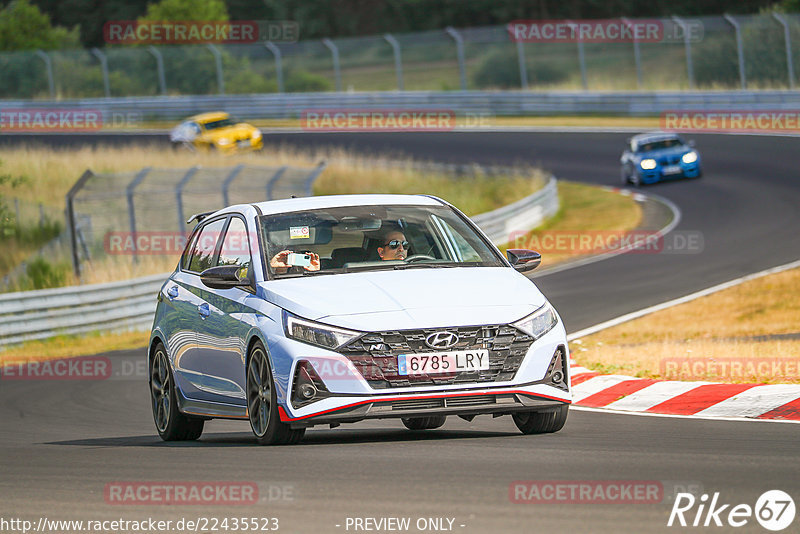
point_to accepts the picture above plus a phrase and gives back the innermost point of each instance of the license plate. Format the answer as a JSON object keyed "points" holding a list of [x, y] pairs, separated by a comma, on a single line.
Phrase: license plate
{"points": [[443, 362], [672, 169], [244, 142]]}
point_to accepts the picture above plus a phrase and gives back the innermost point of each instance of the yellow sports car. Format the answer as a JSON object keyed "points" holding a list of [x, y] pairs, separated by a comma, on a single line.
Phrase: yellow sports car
{"points": [[216, 131]]}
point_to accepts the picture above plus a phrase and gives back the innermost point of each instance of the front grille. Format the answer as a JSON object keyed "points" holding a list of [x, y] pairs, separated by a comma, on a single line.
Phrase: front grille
{"points": [[669, 160], [375, 355]]}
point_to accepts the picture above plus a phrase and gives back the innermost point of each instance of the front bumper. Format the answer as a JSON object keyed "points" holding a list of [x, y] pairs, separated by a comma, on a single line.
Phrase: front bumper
{"points": [[496, 401]]}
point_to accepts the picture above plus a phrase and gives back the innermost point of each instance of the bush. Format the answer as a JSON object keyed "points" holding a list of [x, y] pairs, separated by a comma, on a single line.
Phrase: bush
{"points": [[301, 81], [41, 274], [501, 69]]}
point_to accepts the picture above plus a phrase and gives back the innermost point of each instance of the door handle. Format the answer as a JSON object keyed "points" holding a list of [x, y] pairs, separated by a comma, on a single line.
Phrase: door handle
{"points": [[203, 310], [172, 292]]}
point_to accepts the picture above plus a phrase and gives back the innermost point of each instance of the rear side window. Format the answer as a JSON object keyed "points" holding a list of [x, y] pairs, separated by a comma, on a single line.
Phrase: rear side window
{"points": [[202, 255], [235, 248]]}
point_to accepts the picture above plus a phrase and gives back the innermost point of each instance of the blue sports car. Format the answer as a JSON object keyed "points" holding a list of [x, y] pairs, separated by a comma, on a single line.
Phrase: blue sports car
{"points": [[657, 156]]}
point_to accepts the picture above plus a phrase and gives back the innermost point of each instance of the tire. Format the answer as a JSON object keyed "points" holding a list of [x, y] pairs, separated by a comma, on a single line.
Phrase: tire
{"points": [[541, 422], [424, 423], [625, 176], [171, 424], [262, 403]]}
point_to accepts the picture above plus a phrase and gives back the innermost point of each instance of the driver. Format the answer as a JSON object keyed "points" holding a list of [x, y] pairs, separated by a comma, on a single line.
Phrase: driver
{"points": [[395, 246]]}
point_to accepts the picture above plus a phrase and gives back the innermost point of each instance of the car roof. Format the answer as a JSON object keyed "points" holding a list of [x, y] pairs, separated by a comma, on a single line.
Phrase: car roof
{"points": [[649, 137], [209, 116], [335, 201]]}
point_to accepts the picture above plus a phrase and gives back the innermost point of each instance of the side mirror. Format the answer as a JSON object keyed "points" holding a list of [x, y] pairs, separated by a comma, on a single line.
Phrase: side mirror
{"points": [[691, 143], [226, 277], [523, 260]]}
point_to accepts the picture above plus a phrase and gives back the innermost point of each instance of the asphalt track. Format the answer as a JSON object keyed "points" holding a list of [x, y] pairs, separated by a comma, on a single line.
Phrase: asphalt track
{"points": [[62, 442]]}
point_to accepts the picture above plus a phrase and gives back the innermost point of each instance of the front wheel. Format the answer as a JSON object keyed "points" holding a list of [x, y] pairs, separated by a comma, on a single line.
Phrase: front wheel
{"points": [[424, 423], [171, 424], [541, 422], [262, 404]]}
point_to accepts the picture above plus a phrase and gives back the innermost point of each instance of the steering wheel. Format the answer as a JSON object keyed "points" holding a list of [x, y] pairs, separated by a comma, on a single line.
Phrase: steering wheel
{"points": [[418, 257]]}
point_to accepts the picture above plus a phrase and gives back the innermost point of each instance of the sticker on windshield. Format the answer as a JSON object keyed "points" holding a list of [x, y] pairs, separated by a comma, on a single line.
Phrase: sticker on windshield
{"points": [[299, 232]]}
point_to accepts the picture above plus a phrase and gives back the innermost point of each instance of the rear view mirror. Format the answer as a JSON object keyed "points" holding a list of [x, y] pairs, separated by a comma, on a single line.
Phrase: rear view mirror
{"points": [[523, 260], [226, 277]]}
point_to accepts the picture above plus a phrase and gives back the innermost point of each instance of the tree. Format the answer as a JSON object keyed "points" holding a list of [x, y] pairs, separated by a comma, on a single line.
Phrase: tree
{"points": [[24, 27], [186, 10]]}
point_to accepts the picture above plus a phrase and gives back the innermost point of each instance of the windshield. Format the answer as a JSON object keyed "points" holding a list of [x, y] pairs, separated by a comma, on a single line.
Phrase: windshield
{"points": [[659, 145], [222, 123], [347, 239]]}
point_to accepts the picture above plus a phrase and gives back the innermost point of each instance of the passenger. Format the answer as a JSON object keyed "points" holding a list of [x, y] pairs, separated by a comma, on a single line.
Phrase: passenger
{"points": [[395, 246]]}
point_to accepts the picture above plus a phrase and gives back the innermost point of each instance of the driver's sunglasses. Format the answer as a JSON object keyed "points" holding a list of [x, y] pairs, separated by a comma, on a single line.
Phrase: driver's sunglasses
{"points": [[394, 243]]}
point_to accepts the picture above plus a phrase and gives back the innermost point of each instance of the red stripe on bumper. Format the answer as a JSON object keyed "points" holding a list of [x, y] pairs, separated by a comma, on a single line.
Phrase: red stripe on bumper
{"points": [[286, 418]]}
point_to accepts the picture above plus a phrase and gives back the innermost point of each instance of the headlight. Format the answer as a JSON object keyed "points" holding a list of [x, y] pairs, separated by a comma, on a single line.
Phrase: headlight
{"points": [[315, 333], [648, 164], [539, 322], [257, 134], [223, 142], [689, 157]]}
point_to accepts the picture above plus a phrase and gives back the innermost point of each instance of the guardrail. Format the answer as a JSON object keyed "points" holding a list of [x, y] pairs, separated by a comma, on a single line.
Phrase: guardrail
{"points": [[131, 304], [45, 313], [514, 103]]}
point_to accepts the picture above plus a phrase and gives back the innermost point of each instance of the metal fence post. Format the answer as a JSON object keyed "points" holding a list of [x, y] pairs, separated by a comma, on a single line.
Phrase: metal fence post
{"points": [[131, 208], [398, 60], [48, 63], [276, 52], [523, 69], [462, 68], [337, 73], [739, 49], [71, 224], [688, 46], [788, 41], [637, 56], [162, 79], [104, 66], [227, 183], [313, 176], [179, 195], [274, 179], [581, 56], [218, 61]]}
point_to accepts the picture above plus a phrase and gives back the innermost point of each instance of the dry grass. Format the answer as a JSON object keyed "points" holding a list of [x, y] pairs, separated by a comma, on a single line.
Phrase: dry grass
{"points": [[585, 210], [69, 346], [711, 332]]}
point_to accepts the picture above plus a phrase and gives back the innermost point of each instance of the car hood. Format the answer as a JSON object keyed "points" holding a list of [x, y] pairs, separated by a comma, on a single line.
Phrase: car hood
{"points": [[676, 151], [414, 298]]}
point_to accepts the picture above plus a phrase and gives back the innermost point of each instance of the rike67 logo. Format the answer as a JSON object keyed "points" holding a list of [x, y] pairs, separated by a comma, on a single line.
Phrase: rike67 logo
{"points": [[774, 510]]}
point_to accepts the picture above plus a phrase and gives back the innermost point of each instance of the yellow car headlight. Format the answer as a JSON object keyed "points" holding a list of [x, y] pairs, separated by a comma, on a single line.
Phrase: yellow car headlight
{"points": [[256, 135], [648, 164]]}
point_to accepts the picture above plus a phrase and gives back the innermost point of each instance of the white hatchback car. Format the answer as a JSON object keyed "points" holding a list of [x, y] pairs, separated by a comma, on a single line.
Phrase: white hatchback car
{"points": [[328, 310]]}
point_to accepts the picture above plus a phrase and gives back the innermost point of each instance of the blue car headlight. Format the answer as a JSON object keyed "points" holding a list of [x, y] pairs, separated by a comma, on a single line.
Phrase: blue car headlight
{"points": [[314, 333], [689, 157], [648, 164], [539, 322]]}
